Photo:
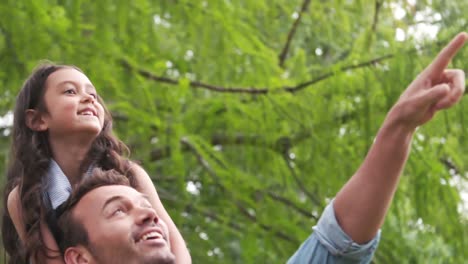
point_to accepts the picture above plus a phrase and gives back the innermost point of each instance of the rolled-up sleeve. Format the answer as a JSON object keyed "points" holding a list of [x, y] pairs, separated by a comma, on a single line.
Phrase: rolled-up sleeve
{"points": [[329, 244]]}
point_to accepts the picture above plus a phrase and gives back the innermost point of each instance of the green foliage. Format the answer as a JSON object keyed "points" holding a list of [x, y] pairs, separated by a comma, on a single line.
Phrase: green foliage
{"points": [[243, 174]]}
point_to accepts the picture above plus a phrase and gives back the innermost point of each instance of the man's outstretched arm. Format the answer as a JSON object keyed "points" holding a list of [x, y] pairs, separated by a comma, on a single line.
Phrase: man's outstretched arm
{"points": [[361, 205]]}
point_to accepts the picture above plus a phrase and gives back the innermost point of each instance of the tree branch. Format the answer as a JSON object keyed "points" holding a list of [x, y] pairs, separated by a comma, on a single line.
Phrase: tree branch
{"points": [[213, 216], [195, 84], [238, 203], [292, 31], [329, 74], [299, 183], [235, 226], [217, 139], [280, 145], [262, 91], [292, 205], [252, 90], [450, 165], [11, 49], [378, 5]]}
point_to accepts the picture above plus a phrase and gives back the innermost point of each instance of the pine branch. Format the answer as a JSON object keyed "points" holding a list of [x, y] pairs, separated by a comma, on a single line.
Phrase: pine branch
{"points": [[292, 31], [312, 197], [192, 209], [195, 84], [238, 203], [292, 205], [378, 5], [235, 226], [450, 165], [342, 69], [282, 145], [252, 90], [262, 91]]}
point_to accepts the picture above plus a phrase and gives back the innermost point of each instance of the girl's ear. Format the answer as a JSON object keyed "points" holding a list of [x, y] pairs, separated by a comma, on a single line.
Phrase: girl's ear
{"points": [[77, 255], [35, 120]]}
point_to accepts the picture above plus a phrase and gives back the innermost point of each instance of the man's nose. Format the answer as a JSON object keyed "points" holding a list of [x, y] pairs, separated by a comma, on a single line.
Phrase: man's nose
{"points": [[146, 215]]}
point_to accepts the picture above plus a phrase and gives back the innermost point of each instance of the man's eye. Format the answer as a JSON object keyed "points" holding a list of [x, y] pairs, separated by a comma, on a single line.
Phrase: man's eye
{"points": [[118, 211]]}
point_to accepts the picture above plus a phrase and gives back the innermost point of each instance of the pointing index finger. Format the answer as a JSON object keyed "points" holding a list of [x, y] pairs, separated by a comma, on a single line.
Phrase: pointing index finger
{"points": [[439, 64]]}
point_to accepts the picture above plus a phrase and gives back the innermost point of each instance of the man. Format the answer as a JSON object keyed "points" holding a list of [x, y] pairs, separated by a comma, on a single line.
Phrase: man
{"points": [[110, 222], [107, 221]]}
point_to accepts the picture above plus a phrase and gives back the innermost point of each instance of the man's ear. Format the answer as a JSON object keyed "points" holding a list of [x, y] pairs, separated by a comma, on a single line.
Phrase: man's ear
{"points": [[77, 255], [35, 120]]}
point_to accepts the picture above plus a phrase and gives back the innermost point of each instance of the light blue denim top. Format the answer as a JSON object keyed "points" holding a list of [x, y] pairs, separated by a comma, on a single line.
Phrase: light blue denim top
{"points": [[57, 187], [329, 244]]}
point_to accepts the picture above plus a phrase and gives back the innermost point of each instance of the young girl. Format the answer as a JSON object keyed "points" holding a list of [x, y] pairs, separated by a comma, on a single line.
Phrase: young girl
{"points": [[61, 131]]}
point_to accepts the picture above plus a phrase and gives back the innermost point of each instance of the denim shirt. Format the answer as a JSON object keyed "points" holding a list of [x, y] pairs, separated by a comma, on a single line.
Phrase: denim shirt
{"points": [[329, 244], [56, 190], [56, 187]]}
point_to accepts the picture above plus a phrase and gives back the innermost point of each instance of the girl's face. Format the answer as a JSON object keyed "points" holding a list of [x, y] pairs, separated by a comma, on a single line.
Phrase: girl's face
{"points": [[72, 106]]}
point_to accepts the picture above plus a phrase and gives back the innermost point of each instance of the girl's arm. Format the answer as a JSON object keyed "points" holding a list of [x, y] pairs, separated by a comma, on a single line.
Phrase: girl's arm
{"points": [[146, 186], [14, 210]]}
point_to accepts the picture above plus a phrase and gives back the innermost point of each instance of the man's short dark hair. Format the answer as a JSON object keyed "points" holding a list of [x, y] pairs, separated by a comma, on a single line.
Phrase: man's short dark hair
{"points": [[72, 231]]}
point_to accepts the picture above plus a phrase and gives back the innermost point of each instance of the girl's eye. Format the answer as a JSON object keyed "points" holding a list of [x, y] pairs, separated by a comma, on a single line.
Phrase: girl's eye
{"points": [[93, 95], [70, 91]]}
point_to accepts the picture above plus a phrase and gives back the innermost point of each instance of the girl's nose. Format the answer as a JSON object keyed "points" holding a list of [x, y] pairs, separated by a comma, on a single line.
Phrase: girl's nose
{"points": [[88, 98]]}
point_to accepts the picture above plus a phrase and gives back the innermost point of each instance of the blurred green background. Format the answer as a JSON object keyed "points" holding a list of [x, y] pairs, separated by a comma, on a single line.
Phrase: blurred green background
{"points": [[250, 115]]}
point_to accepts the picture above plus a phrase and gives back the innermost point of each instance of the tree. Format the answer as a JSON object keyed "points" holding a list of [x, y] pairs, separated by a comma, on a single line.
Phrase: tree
{"points": [[250, 115]]}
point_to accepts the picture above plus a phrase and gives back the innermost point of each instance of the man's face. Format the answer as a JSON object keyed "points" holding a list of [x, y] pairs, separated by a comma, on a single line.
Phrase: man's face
{"points": [[122, 227]]}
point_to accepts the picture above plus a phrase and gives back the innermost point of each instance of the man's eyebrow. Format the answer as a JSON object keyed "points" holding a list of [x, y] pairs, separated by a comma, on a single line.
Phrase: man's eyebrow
{"points": [[111, 200]]}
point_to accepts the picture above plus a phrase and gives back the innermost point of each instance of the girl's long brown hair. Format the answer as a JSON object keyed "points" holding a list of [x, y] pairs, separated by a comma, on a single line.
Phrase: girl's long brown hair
{"points": [[29, 160]]}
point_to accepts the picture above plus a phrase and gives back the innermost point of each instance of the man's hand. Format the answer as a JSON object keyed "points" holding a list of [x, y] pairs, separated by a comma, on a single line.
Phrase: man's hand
{"points": [[433, 89], [361, 205]]}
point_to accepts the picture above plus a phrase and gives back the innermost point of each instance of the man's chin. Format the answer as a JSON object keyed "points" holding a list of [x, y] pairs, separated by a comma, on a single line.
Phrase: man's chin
{"points": [[155, 252], [159, 258]]}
